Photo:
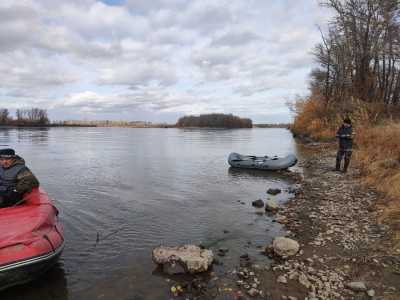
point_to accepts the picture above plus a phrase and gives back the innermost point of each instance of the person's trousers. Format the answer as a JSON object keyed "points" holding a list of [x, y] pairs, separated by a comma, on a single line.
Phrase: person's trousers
{"points": [[346, 153]]}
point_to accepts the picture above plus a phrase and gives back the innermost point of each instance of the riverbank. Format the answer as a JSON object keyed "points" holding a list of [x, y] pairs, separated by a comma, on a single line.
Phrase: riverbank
{"points": [[336, 220], [345, 252]]}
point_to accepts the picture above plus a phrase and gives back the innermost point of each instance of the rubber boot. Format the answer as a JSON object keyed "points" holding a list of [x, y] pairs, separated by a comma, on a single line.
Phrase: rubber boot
{"points": [[337, 164], [346, 165]]}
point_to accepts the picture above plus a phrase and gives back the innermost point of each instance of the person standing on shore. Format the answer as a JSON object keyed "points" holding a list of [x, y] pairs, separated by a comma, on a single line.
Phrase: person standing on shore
{"points": [[15, 178], [345, 136]]}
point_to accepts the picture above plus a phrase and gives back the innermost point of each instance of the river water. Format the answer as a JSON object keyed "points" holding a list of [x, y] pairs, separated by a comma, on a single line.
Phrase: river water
{"points": [[123, 191]]}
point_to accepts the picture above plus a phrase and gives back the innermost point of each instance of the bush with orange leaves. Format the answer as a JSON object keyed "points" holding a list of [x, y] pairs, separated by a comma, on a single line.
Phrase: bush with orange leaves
{"points": [[314, 119]]}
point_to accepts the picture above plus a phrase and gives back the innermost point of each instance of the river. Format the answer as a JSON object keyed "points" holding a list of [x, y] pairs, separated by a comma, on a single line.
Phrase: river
{"points": [[123, 191]]}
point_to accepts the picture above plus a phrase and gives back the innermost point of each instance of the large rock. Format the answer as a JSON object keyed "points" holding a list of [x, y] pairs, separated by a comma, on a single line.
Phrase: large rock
{"points": [[285, 247], [183, 259]]}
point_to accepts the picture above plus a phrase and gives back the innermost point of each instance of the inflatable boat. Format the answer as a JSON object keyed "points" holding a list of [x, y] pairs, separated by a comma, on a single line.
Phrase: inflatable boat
{"points": [[31, 239], [261, 162]]}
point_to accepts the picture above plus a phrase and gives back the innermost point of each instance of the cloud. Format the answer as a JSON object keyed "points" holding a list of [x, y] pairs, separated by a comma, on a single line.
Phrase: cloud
{"points": [[162, 56], [238, 37], [137, 74], [32, 72]]}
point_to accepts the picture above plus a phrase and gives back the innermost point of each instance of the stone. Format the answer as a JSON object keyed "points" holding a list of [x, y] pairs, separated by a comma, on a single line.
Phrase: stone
{"points": [[356, 286], [304, 280], [371, 293], [258, 203], [271, 205], [183, 259], [282, 219], [282, 279], [273, 191], [252, 292], [285, 247]]}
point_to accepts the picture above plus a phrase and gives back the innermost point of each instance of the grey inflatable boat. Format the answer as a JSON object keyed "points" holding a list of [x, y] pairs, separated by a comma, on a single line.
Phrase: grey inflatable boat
{"points": [[261, 162]]}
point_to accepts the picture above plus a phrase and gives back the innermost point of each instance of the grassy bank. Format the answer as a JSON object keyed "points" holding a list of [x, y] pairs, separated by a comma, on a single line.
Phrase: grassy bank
{"points": [[377, 144]]}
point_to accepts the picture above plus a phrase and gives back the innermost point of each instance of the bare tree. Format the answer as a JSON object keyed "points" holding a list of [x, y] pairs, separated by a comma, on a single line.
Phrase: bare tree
{"points": [[360, 55]]}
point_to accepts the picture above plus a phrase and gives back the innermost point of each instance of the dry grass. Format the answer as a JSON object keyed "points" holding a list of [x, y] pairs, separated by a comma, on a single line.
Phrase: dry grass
{"points": [[378, 156], [377, 150]]}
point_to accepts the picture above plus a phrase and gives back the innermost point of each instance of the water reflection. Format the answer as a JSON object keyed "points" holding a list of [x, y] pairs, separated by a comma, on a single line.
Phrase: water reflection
{"points": [[37, 135], [52, 285], [266, 174]]}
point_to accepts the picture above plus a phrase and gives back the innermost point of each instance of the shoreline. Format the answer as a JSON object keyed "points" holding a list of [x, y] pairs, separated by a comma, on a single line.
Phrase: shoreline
{"points": [[345, 252], [162, 126]]}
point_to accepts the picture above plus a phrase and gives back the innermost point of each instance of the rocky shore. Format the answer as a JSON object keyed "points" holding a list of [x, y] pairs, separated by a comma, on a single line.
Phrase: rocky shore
{"points": [[342, 251]]}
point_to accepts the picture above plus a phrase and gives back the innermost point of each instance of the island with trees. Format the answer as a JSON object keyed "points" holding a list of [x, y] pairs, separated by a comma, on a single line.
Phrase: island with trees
{"points": [[214, 121]]}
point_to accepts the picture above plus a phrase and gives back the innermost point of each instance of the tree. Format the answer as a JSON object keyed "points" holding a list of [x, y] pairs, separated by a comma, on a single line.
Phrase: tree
{"points": [[4, 116], [359, 57]]}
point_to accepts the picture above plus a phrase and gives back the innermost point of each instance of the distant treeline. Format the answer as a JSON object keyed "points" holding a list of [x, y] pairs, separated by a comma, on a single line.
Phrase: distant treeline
{"points": [[278, 125], [111, 123], [31, 116], [214, 120]]}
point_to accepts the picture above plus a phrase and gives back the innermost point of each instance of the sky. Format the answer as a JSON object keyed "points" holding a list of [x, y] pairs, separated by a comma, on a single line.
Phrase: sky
{"points": [[157, 60]]}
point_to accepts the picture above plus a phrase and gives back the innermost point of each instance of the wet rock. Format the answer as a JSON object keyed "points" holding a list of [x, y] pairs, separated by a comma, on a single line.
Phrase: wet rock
{"points": [[245, 256], [222, 251], [273, 191], [285, 247], [258, 203], [271, 206], [356, 286], [282, 219], [183, 259], [293, 190]]}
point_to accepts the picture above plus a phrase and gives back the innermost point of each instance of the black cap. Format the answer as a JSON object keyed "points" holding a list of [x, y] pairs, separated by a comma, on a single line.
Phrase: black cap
{"points": [[347, 121], [7, 153]]}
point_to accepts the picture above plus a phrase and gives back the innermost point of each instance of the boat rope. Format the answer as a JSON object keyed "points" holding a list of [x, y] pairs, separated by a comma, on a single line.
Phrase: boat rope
{"points": [[61, 236], [51, 244]]}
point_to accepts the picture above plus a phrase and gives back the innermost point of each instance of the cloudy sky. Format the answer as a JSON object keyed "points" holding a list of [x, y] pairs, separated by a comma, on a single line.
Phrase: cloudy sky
{"points": [[157, 60]]}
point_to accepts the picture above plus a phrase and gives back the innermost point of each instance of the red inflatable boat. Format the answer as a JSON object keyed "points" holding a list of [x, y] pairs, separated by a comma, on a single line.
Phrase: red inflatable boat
{"points": [[31, 239]]}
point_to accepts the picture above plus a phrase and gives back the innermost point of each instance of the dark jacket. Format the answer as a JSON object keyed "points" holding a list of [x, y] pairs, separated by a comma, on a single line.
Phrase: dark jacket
{"points": [[345, 136], [15, 181]]}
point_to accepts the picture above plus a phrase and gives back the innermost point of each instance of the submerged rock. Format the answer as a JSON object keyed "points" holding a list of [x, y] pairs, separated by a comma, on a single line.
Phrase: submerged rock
{"points": [[285, 247], [273, 191], [183, 259]]}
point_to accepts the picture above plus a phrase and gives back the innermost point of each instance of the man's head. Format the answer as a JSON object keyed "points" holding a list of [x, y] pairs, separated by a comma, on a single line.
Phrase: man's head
{"points": [[347, 121], [7, 157]]}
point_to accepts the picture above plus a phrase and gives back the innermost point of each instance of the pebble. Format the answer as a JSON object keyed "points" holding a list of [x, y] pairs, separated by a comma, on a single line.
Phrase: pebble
{"points": [[253, 292], [357, 286], [371, 293], [282, 279]]}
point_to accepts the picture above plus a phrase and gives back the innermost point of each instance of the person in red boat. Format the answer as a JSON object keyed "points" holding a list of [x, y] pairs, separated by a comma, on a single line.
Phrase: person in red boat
{"points": [[15, 178]]}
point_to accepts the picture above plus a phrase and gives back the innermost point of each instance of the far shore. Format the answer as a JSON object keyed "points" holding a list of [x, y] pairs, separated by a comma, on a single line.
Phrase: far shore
{"points": [[136, 126]]}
